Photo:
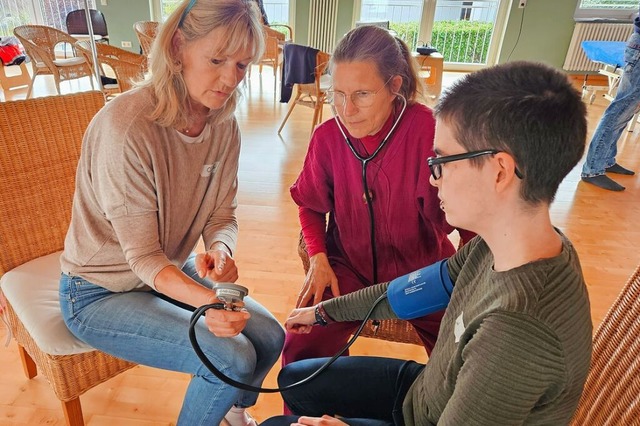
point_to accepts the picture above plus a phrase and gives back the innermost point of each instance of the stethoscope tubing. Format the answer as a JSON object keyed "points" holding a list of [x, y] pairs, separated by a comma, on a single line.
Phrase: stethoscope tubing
{"points": [[364, 161]]}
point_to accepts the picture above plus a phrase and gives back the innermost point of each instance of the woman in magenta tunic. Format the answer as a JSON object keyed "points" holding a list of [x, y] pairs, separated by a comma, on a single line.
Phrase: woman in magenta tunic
{"points": [[374, 94]]}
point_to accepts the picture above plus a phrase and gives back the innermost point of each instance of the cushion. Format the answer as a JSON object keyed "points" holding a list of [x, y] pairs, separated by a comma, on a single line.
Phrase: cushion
{"points": [[32, 291], [68, 62]]}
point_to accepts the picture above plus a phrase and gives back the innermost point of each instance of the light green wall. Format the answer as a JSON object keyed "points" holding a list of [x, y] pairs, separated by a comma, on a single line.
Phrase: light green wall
{"points": [[345, 18], [546, 29], [120, 16], [301, 35]]}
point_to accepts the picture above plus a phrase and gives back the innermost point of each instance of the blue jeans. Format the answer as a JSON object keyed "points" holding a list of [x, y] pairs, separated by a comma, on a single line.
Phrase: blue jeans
{"points": [[147, 329], [361, 390], [604, 144]]}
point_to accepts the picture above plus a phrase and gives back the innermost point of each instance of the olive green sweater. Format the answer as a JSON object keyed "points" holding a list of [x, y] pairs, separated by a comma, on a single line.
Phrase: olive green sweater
{"points": [[514, 347], [145, 194]]}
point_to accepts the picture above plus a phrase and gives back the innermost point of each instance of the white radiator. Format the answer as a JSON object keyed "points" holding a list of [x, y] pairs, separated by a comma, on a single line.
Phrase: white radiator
{"points": [[576, 60], [323, 15]]}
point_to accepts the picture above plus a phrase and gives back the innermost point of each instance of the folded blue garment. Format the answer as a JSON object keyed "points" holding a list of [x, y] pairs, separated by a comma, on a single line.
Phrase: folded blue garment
{"points": [[606, 52]]}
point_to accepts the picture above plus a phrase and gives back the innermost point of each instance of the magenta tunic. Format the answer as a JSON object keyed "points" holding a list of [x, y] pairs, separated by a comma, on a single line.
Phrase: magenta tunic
{"points": [[410, 228]]}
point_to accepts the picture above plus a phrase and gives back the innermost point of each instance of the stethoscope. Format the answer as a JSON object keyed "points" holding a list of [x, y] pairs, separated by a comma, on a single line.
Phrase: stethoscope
{"points": [[364, 161], [201, 310]]}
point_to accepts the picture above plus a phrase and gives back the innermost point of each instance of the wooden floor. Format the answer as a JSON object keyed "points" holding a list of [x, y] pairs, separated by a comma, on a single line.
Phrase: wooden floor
{"points": [[600, 223]]}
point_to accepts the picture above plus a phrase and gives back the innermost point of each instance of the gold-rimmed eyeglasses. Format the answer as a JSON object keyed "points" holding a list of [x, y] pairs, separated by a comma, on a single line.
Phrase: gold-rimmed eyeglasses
{"points": [[435, 163], [360, 98]]}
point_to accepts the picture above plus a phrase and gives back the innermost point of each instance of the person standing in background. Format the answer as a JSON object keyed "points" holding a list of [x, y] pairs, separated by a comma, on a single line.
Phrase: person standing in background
{"points": [[601, 157]]}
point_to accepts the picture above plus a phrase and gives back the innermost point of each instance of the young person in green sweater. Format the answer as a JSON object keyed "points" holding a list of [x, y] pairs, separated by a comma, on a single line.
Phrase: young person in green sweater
{"points": [[514, 345]]}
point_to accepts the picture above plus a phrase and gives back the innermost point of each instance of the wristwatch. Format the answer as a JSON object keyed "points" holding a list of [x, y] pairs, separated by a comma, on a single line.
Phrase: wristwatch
{"points": [[320, 316]]}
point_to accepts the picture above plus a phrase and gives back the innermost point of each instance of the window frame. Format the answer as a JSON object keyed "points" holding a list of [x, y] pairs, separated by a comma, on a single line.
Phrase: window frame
{"points": [[605, 14]]}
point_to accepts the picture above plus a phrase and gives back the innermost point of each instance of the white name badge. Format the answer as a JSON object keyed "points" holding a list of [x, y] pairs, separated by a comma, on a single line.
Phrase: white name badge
{"points": [[209, 169], [459, 328]]}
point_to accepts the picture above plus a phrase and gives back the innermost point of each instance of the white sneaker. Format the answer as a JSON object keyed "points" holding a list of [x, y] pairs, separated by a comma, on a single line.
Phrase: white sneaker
{"points": [[238, 417]]}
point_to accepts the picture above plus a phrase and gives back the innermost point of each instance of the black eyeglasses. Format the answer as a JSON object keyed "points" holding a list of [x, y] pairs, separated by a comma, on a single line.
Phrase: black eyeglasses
{"points": [[435, 163]]}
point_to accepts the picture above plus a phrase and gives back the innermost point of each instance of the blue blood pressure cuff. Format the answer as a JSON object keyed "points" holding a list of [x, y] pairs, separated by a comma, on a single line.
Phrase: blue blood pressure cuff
{"points": [[421, 292]]}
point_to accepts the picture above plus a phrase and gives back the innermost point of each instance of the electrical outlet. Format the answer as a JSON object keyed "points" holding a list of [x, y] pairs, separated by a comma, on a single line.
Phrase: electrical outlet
{"points": [[103, 2], [522, 4], [126, 44]]}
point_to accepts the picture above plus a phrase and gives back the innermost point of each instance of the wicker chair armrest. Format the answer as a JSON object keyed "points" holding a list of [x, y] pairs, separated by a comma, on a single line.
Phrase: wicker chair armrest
{"points": [[126, 72], [288, 28], [270, 32], [37, 53]]}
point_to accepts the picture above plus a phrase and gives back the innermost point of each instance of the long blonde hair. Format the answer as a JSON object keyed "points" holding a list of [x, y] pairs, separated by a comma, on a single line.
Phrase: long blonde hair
{"points": [[241, 18]]}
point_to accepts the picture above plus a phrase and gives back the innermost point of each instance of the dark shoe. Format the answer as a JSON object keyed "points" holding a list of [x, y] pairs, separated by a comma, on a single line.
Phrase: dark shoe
{"points": [[604, 182], [618, 169]]}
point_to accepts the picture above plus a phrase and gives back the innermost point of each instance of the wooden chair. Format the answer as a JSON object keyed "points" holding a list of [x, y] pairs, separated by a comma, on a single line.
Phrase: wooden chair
{"points": [[288, 31], [40, 147], [272, 57], [611, 394], [393, 330], [40, 42], [127, 66], [312, 95], [146, 32]]}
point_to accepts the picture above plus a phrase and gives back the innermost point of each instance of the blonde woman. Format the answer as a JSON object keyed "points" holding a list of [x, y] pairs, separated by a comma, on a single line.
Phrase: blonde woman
{"points": [[158, 171]]}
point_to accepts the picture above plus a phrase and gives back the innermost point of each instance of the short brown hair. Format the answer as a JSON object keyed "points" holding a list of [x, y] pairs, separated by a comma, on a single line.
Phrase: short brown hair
{"points": [[527, 109]]}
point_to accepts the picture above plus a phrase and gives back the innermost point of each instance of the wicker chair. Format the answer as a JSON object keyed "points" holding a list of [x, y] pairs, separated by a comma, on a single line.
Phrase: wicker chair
{"points": [[127, 66], [312, 95], [272, 57], [611, 394], [39, 42], [146, 32], [38, 157], [393, 330]]}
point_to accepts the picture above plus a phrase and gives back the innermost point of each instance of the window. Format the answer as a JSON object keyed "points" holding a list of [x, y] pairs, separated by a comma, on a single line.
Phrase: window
{"points": [[618, 10], [277, 11], [43, 12], [462, 30], [168, 6]]}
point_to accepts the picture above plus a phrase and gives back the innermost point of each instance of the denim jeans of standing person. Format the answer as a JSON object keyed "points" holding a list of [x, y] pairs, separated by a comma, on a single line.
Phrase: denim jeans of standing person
{"points": [[146, 329], [366, 391], [603, 147]]}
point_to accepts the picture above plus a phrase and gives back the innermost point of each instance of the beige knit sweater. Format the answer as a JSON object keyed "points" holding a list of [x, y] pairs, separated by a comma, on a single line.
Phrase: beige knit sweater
{"points": [[145, 194]]}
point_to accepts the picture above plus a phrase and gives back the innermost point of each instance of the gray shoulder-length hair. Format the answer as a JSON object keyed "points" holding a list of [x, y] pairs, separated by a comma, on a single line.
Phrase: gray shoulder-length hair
{"points": [[241, 18]]}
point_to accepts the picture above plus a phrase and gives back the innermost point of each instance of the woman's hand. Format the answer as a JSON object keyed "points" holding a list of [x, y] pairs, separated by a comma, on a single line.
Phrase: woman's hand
{"points": [[217, 264], [319, 277], [301, 320], [319, 421], [223, 323]]}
